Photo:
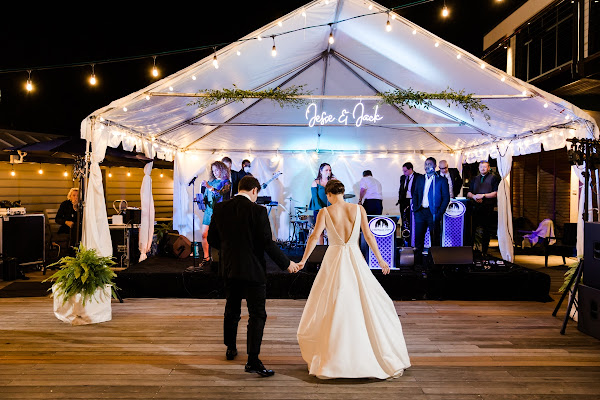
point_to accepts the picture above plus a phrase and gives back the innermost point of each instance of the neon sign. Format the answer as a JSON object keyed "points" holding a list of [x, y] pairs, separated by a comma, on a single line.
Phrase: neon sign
{"points": [[358, 116]]}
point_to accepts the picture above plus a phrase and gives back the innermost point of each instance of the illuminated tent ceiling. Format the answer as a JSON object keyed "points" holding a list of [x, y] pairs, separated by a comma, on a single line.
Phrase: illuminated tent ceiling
{"points": [[364, 59]]}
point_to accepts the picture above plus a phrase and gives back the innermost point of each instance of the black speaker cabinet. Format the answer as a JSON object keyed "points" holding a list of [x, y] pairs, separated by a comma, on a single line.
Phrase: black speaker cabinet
{"points": [[133, 216], [591, 255], [23, 237], [462, 255], [588, 303], [316, 257], [125, 240]]}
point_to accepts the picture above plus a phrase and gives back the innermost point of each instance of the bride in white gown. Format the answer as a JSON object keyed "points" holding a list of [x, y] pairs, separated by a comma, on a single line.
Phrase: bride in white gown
{"points": [[349, 327]]}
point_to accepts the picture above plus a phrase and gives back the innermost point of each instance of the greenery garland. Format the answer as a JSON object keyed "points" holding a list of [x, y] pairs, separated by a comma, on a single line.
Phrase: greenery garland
{"points": [[283, 97], [399, 97], [411, 98]]}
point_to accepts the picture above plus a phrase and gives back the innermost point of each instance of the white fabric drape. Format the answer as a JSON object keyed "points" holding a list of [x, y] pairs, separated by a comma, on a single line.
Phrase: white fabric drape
{"points": [[147, 220], [96, 234], [579, 170], [505, 226]]}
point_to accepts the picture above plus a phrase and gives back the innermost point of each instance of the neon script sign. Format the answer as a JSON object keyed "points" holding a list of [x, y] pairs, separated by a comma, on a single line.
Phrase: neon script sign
{"points": [[358, 116]]}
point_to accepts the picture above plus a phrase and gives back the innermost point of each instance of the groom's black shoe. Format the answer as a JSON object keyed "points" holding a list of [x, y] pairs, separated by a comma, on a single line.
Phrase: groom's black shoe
{"points": [[257, 367], [231, 353]]}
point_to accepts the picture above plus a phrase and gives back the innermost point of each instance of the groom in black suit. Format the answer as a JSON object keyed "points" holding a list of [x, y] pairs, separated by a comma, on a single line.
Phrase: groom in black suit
{"points": [[430, 200], [240, 230]]}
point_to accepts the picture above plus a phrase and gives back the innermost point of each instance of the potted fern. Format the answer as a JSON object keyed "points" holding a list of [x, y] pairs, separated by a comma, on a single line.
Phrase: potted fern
{"points": [[82, 287]]}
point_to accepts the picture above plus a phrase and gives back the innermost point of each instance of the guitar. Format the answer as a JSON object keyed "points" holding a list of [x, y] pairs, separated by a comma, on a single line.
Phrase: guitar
{"points": [[275, 176]]}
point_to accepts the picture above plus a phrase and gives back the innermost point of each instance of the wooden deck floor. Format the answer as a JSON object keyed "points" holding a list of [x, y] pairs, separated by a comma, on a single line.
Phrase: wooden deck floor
{"points": [[171, 349]]}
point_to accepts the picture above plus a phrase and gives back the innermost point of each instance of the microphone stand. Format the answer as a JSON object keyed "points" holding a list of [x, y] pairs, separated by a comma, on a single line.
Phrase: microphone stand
{"points": [[194, 245]]}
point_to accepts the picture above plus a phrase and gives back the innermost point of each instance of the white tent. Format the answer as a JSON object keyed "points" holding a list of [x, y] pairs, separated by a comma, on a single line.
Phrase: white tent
{"points": [[364, 59]]}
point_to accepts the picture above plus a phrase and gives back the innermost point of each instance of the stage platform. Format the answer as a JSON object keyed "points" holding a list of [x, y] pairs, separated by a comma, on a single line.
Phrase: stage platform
{"points": [[165, 277]]}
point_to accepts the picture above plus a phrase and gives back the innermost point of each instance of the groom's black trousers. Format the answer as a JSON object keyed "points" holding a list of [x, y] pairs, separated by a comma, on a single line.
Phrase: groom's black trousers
{"points": [[255, 294]]}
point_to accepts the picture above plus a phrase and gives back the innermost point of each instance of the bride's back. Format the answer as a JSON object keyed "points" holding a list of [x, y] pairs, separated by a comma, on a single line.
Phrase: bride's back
{"points": [[343, 215]]}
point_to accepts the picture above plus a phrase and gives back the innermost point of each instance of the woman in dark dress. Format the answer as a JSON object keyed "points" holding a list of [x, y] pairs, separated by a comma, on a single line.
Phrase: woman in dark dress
{"points": [[66, 216]]}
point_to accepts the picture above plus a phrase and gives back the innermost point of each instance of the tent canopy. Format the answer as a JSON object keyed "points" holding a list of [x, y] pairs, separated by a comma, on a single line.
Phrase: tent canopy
{"points": [[364, 59]]}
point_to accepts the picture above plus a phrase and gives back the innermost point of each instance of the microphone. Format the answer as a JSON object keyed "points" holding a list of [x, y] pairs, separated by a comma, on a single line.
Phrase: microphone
{"points": [[192, 181]]}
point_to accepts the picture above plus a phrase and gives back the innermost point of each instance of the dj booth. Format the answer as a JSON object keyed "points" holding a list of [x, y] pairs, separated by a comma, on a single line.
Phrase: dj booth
{"points": [[386, 229]]}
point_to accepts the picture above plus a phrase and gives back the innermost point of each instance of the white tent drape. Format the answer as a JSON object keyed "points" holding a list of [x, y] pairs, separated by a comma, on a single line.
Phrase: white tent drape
{"points": [[96, 234], [505, 226], [147, 220]]}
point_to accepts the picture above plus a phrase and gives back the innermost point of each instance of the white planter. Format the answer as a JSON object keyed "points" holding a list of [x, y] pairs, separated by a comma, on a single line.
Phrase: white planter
{"points": [[96, 309]]}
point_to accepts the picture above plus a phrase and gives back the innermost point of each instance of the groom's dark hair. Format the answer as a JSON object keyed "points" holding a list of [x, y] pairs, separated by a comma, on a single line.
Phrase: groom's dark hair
{"points": [[248, 183], [335, 186]]}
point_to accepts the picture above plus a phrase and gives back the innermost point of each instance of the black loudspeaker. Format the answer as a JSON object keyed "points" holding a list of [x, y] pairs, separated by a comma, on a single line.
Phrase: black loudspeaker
{"points": [[406, 257], [9, 269], [23, 237], [591, 255], [462, 255], [177, 245], [587, 310], [316, 257]]}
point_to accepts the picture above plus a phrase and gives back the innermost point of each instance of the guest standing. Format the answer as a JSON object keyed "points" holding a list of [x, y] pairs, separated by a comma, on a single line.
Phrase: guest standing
{"points": [[371, 196], [405, 193], [483, 191], [453, 176], [236, 176]]}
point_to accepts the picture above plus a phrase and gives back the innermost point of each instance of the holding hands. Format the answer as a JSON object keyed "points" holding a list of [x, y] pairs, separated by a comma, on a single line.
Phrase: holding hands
{"points": [[295, 267]]}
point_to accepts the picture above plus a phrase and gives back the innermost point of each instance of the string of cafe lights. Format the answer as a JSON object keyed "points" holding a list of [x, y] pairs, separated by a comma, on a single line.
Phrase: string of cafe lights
{"points": [[93, 80], [65, 173]]}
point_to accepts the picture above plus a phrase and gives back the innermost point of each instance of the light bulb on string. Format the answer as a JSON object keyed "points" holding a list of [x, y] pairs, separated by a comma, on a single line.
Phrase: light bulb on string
{"points": [[29, 84], [12, 171], [274, 49], [388, 25], [215, 61], [331, 39], [154, 69], [128, 173], [445, 11], [109, 174], [93, 79], [40, 171], [65, 173], [161, 174]]}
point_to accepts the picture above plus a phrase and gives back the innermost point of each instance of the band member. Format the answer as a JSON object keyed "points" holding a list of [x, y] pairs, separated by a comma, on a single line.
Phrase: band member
{"points": [[483, 191], [217, 189], [318, 197], [430, 200], [370, 196], [405, 193], [453, 176], [236, 176]]}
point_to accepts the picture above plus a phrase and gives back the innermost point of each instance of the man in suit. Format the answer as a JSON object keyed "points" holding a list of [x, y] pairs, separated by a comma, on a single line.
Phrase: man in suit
{"points": [[430, 200], [453, 176], [405, 192], [240, 230], [236, 176]]}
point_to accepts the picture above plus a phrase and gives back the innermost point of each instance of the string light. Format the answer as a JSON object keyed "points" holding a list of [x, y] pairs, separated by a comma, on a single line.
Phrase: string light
{"points": [[161, 174], [215, 61], [40, 171], [388, 25], [154, 69], [12, 171], [445, 11], [29, 85], [93, 80], [414, 32], [65, 174], [274, 49], [458, 56], [109, 174], [331, 39], [128, 173]]}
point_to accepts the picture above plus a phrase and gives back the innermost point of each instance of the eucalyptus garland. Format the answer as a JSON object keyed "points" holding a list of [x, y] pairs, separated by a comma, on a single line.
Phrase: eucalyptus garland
{"points": [[412, 98], [399, 97], [283, 97]]}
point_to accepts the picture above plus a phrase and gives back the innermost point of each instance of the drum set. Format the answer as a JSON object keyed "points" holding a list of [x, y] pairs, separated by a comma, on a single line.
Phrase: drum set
{"points": [[302, 223]]}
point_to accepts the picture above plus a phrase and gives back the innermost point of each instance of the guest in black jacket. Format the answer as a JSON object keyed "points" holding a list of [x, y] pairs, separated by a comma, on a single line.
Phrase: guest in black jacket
{"points": [[453, 176], [240, 230], [66, 216], [236, 176]]}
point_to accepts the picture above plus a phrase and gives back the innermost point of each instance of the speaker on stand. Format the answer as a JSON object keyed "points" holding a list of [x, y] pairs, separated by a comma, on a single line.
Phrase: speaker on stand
{"points": [[588, 291]]}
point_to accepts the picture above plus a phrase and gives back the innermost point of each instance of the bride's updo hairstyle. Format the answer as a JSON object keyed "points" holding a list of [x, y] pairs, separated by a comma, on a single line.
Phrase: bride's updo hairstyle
{"points": [[335, 186]]}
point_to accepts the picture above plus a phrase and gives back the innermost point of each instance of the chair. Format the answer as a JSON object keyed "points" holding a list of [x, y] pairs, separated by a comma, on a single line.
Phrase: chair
{"points": [[54, 240], [565, 246]]}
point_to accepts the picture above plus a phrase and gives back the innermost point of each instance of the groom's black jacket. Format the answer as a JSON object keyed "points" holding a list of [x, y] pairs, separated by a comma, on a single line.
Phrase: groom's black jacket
{"points": [[241, 231]]}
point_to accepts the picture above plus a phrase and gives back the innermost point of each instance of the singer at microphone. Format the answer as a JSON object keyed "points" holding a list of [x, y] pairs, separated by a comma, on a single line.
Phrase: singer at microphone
{"points": [[192, 181]]}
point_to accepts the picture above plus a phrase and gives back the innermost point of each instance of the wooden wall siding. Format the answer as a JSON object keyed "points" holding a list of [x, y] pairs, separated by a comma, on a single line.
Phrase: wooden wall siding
{"points": [[540, 187], [36, 192], [121, 186]]}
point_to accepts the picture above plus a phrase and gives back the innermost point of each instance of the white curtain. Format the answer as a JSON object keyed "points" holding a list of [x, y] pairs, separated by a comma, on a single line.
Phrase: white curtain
{"points": [[505, 226], [579, 170], [96, 234], [147, 221]]}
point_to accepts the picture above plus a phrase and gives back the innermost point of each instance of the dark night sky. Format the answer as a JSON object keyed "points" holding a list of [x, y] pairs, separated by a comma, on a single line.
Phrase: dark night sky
{"points": [[45, 36]]}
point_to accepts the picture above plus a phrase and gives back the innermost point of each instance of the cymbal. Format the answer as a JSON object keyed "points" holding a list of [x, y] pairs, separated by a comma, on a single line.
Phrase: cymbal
{"points": [[349, 196]]}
